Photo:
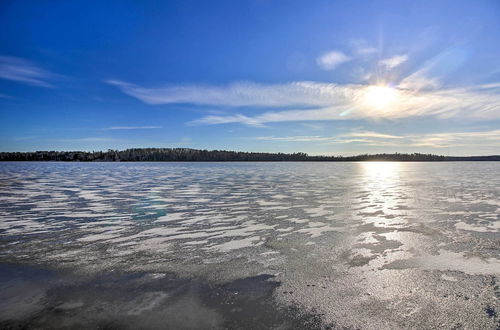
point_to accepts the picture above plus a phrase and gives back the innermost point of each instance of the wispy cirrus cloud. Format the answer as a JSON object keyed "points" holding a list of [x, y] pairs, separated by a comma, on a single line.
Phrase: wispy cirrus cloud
{"points": [[131, 127], [419, 81], [239, 94], [362, 48], [366, 137], [295, 138], [394, 61], [314, 126], [23, 71], [353, 102], [419, 94], [370, 134], [444, 140], [431, 74], [325, 101], [332, 59], [85, 139], [484, 139]]}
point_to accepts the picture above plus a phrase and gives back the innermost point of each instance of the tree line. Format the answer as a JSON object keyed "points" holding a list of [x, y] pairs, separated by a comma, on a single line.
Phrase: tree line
{"points": [[195, 155]]}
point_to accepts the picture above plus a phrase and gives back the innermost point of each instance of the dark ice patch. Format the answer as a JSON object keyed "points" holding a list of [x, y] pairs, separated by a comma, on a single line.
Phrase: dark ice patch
{"points": [[33, 298]]}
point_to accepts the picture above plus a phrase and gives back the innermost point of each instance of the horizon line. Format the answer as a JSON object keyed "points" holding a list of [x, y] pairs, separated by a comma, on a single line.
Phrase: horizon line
{"points": [[257, 152]]}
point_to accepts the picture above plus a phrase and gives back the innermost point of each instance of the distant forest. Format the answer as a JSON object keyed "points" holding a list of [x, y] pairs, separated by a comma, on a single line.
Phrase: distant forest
{"points": [[194, 155]]}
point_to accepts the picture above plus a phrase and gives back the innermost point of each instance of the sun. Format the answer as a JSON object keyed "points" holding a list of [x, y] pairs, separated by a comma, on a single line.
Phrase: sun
{"points": [[379, 97]]}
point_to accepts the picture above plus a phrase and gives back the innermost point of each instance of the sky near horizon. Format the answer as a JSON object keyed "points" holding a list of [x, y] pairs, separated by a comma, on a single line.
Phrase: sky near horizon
{"points": [[322, 77]]}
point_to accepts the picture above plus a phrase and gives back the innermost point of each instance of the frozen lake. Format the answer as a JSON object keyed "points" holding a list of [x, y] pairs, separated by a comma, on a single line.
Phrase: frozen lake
{"points": [[250, 245]]}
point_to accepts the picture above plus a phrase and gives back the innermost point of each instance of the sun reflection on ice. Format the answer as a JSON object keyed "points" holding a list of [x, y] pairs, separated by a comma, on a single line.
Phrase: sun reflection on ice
{"points": [[385, 208], [383, 170], [382, 181], [388, 207]]}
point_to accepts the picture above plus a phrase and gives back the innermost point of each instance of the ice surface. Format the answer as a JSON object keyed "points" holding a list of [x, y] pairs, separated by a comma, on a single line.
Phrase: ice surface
{"points": [[378, 245]]}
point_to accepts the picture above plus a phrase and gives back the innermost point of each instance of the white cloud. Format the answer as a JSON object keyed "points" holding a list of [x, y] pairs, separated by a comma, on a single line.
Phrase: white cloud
{"points": [[85, 139], [20, 70], [455, 139], [314, 126], [419, 81], [362, 48], [432, 73], [131, 127], [331, 60], [434, 140], [352, 102], [275, 116], [302, 93], [295, 138], [364, 51], [474, 139], [392, 62], [373, 135], [315, 101]]}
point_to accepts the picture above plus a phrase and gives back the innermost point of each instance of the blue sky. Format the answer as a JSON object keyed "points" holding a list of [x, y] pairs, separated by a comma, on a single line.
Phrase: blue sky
{"points": [[322, 77]]}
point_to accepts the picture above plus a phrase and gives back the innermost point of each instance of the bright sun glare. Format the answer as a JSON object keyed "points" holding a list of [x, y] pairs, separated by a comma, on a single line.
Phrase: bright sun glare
{"points": [[379, 97]]}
